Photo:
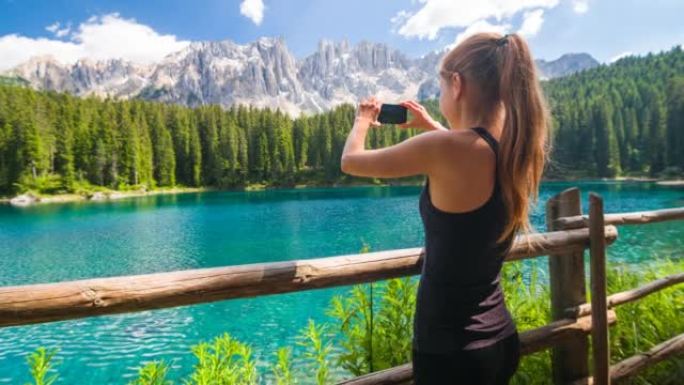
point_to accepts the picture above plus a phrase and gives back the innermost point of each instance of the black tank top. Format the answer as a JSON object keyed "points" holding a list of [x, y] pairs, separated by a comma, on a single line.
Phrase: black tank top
{"points": [[460, 304]]}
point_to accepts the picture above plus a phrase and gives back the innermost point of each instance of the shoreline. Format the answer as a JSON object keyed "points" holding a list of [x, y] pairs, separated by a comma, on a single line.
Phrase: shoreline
{"points": [[674, 182], [30, 199]]}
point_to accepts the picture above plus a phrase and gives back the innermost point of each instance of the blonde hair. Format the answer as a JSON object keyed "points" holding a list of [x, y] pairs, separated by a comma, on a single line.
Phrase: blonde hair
{"points": [[502, 73]]}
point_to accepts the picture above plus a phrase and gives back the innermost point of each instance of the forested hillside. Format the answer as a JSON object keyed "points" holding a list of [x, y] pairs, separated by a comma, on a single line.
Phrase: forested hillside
{"points": [[51, 141], [627, 118]]}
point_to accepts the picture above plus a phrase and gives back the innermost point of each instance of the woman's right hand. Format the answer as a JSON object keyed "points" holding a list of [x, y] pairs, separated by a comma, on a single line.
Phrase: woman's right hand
{"points": [[421, 118]]}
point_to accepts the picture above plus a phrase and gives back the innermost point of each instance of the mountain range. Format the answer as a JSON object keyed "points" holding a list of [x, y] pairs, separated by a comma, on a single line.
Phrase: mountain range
{"points": [[263, 73]]}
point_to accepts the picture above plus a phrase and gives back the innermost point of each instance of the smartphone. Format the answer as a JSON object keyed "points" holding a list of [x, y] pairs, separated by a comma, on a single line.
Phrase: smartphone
{"points": [[392, 114]]}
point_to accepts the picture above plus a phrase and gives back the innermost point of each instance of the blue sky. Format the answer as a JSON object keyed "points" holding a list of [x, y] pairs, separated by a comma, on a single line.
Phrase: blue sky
{"points": [[144, 31]]}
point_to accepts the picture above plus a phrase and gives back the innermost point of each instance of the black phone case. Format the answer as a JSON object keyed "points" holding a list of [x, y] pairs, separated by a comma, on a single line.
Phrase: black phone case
{"points": [[392, 114]]}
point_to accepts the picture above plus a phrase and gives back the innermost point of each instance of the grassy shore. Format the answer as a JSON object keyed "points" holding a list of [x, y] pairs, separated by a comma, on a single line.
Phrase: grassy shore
{"points": [[105, 194]]}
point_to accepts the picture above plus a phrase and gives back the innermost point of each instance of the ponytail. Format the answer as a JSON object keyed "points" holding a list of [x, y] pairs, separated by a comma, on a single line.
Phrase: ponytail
{"points": [[523, 144]]}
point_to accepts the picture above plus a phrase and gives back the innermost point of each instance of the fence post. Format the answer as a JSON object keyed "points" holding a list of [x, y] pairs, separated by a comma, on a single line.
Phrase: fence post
{"points": [[569, 360], [599, 320]]}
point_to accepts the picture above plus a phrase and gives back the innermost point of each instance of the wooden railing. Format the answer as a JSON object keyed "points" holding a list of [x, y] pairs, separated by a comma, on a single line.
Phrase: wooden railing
{"points": [[570, 233]]}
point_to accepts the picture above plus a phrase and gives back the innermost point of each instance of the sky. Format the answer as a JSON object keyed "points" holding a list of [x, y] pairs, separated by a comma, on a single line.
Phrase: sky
{"points": [[146, 31]]}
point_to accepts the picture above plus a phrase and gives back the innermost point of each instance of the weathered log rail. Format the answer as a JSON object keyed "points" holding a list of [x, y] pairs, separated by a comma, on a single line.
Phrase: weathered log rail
{"points": [[635, 218], [28, 304], [570, 234], [630, 295], [635, 364]]}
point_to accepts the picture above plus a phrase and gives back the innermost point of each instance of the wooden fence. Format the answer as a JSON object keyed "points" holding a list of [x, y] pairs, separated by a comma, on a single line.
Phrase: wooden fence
{"points": [[569, 234]]}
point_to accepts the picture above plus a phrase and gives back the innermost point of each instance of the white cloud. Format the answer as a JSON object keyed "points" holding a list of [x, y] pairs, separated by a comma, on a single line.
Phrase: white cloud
{"points": [[480, 26], [54, 28], [435, 15], [99, 37], [399, 19], [580, 6], [253, 9], [110, 36], [16, 49], [532, 23], [620, 56]]}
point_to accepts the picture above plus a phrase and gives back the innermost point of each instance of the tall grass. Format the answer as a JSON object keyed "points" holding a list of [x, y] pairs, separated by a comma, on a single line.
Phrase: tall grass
{"points": [[640, 325], [528, 297], [648, 321], [372, 329]]}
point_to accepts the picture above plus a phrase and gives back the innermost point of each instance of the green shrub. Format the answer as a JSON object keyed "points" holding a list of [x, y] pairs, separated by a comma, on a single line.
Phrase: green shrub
{"points": [[224, 361], [41, 184]]}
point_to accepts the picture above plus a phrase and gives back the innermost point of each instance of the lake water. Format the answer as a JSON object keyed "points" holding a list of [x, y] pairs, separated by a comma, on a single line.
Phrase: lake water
{"points": [[62, 242]]}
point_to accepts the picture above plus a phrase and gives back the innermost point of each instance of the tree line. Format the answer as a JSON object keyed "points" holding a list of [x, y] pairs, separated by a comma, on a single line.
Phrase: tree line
{"points": [[76, 142], [621, 119]]}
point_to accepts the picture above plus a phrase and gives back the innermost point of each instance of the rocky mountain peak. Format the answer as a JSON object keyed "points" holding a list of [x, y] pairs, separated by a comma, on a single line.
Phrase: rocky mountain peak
{"points": [[263, 73]]}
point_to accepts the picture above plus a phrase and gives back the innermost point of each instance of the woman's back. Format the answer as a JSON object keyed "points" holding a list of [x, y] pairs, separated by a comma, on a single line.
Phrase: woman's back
{"points": [[460, 304]]}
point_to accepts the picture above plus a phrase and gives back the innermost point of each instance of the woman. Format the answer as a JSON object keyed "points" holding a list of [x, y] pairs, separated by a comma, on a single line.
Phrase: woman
{"points": [[483, 174]]}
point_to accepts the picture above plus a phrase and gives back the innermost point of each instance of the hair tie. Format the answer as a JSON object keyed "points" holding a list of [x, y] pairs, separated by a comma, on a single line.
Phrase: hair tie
{"points": [[503, 40]]}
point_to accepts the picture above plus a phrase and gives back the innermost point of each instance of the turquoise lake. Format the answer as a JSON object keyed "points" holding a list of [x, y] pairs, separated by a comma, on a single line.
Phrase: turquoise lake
{"points": [[60, 242]]}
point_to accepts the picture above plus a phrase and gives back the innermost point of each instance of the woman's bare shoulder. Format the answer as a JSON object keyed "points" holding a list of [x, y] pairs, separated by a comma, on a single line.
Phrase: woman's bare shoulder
{"points": [[463, 144], [462, 155]]}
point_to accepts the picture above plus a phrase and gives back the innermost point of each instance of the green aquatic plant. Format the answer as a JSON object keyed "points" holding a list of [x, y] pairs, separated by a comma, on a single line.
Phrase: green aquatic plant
{"points": [[224, 361], [394, 322], [152, 373], [352, 313], [40, 365], [282, 370], [384, 343], [318, 346], [370, 341]]}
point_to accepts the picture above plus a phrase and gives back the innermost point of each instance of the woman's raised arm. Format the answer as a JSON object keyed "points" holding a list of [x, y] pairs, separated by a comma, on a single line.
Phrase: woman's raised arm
{"points": [[416, 155]]}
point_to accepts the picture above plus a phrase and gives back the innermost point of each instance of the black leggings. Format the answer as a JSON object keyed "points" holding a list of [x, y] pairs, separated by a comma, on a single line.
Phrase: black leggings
{"points": [[492, 365]]}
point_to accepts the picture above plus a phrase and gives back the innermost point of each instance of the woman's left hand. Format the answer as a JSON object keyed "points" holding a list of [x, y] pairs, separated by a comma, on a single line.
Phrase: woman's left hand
{"points": [[369, 109]]}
